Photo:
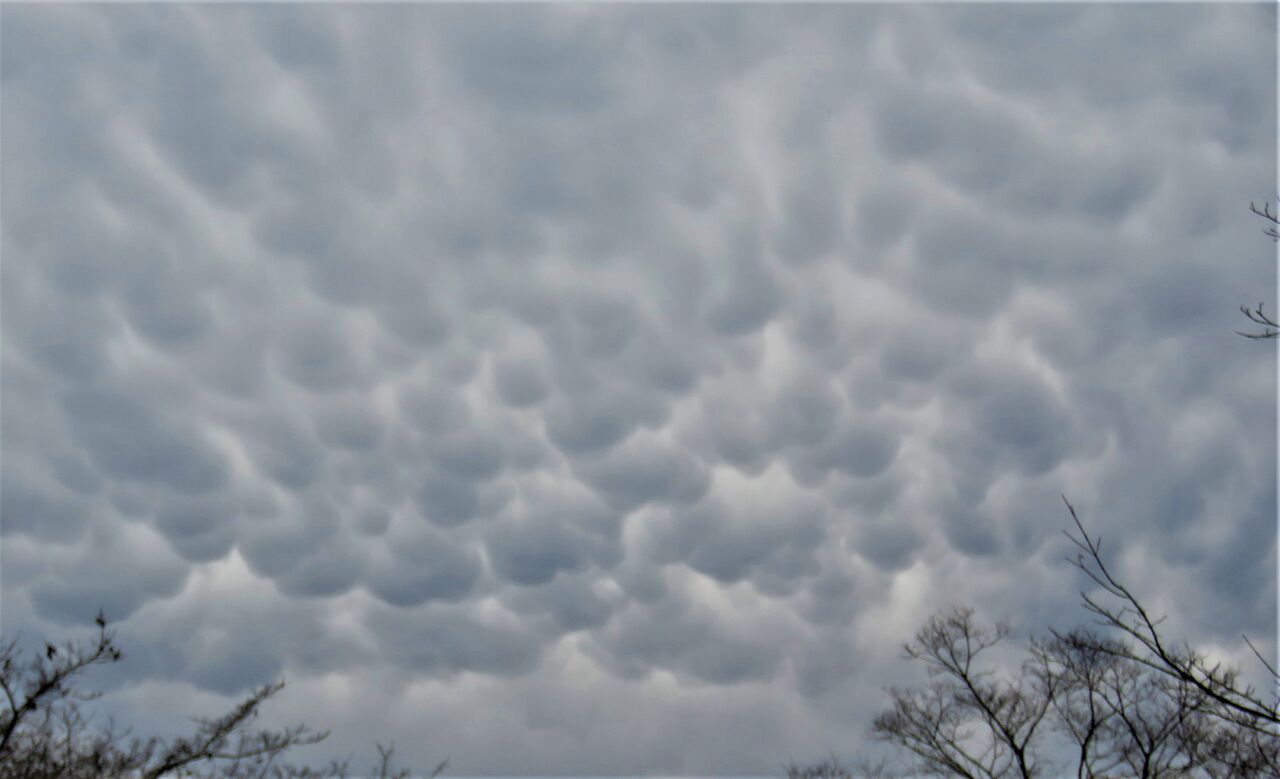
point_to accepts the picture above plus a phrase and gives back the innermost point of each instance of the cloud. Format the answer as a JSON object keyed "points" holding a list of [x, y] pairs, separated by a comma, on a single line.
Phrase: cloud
{"points": [[645, 471], [127, 442], [520, 382], [450, 642], [419, 565], [644, 374]]}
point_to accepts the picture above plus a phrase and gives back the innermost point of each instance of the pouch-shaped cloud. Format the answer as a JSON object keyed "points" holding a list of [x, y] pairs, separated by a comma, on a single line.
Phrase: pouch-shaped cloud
{"points": [[621, 369]]}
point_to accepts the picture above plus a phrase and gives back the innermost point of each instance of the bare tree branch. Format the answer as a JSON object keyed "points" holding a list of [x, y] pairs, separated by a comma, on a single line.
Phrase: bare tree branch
{"points": [[1236, 701], [1274, 219], [44, 733], [1131, 704], [1270, 328]]}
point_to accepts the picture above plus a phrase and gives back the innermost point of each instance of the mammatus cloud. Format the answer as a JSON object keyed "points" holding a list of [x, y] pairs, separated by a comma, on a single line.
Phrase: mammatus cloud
{"points": [[621, 386]]}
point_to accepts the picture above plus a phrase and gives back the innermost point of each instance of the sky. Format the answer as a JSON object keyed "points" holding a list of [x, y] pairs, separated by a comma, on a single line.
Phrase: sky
{"points": [[574, 390]]}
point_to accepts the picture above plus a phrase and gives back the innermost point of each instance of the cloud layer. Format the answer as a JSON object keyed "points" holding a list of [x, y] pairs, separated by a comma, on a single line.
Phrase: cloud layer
{"points": [[622, 385]]}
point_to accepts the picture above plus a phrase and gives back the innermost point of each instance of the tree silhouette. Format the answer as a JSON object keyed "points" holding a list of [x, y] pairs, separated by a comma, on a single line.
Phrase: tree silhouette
{"points": [[1234, 701], [1124, 702], [46, 734], [1270, 329]]}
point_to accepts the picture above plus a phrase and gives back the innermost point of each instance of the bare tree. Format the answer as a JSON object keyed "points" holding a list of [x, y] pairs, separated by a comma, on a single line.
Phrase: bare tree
{"points": [[1235, 704], [970, 720], [1270, 328], [45, 732], [835, 768], [831, 768], [1125, 702], [1119, 719], [1274, 219], [1238, 702], [1077, 705]]}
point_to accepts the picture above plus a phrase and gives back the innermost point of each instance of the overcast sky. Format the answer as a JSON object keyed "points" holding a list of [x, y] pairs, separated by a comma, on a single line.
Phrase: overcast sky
{"points": [[572, 390]]}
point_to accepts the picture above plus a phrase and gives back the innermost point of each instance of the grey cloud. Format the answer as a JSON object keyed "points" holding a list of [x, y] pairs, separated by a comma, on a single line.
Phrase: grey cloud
{"points": [[71, 345], [373, 521], [1020, 416], [731, 661], [659, 362], [806, 413], [915, 354], [520, 382], [585, 423], [287, 453], [1251, 561], [216, 141], [969, 530], [734, 543], [198, 530], [323, 575], [419, 551], [884, 213], [606, 325], [275, 542], [889, 544], [126, 441], [199, 643], [637, 473], [812, 220], [820, 667], [434, 408], [450, 642], [909, 128], [105, 572], [456, 364], [229, 666], [234, 364], [942, 263], [860, 448], [543, 356], [568, 601], [417, 320], [471, 456], [747, 300], [72, 470], [41, 510], [1182, 297], [814, 324], [1017, 418], [162, 308], [561, 69], [441, 572], [593, 530], [784, 552], [982, 149], [132, 502], [737, 431], [448, 501], [316, 356], [351, 426], [829, 599], [672, 636], [532, 554], [872, 495], [1119, 76], [298, 41]]}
